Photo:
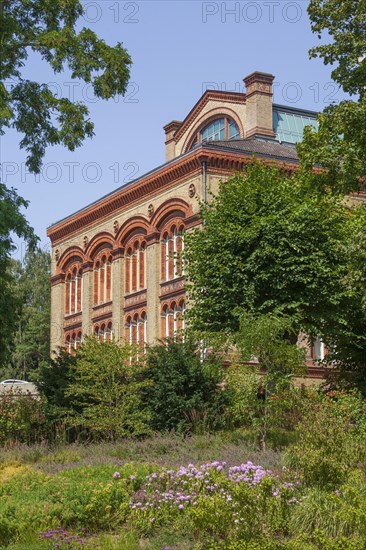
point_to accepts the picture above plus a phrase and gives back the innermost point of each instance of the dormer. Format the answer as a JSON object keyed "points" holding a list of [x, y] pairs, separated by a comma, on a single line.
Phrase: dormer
{"points": [[221, 115]]}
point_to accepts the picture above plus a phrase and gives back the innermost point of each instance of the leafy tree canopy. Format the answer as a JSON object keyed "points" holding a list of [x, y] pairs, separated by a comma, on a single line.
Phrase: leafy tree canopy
{"points": [[48, 28], [12, 222], [32, 337], [269, 243], [340, 143]]}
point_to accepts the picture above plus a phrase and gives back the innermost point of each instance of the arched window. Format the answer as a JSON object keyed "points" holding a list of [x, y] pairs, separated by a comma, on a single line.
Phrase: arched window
{"points": [[135, 266], [172, 319], [220, 129], [136, 329], [73, 293], [79, 339], [109, 335], [102, 279], [68, 343], [172, 246]]}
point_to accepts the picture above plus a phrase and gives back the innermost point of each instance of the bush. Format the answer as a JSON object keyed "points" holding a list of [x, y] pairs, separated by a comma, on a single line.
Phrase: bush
{"points": [[184, 393], [22, 418], [105, 395], [331, 439]]}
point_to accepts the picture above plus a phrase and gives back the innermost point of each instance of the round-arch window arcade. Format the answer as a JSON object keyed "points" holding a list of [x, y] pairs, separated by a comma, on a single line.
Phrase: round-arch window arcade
{"points": [[220, 129]]}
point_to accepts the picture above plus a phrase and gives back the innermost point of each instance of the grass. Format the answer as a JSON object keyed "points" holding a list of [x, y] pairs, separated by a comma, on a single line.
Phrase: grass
{"points": [[43, 487], [163, 450]]}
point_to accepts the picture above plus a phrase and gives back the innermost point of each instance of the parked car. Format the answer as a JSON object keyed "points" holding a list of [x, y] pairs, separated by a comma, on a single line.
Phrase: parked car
{"points": [[14, 381], [18, 387]]}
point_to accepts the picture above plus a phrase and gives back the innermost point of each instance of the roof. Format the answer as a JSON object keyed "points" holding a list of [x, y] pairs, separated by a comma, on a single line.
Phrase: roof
{"points": [[262, 147]]}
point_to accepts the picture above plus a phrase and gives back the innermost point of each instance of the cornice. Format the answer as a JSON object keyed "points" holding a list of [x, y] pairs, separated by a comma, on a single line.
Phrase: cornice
{"points": [[165, 177], [187, 166]]}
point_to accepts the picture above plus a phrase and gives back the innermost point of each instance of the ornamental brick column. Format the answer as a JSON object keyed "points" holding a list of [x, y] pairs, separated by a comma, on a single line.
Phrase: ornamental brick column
{"points": [[153, 288], [87, 299], [118, 290], [57, 313], [258, 116]]}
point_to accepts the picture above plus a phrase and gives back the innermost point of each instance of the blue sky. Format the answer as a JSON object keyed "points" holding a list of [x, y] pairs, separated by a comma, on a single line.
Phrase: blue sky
{"points": [[177, 48]]}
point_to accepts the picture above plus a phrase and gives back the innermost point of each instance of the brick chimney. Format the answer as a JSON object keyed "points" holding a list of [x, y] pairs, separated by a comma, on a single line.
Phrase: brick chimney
{"points": [[170, 130], [259, 105]]}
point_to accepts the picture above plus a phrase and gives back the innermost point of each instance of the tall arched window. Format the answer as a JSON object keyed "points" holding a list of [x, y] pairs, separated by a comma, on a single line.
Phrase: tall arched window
{"points": [[172, 319], [73, 294], [102, 279], [104, 332], [172, 246], [220, 129], [135, 266], [136, 329]]}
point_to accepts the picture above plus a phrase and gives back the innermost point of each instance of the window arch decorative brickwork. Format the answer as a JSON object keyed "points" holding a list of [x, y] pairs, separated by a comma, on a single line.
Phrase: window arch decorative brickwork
{"points": [[135, 266], [104, 331], [172, 318], [172, 245], [102, 285], [73, 341], [136, 328], [218, 128], [73, 289]]}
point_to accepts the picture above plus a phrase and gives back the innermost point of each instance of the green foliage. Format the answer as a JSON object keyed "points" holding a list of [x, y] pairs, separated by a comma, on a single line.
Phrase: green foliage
{"points": [[33, 108], [339, 145], [32, 338], [12, 221], [106, 390], [54, 379], [271, 339], [22, 418], [344, 23], [31, 500], [331, 440], [242, 383], [183, 391], [348, 336], [270, 243]]}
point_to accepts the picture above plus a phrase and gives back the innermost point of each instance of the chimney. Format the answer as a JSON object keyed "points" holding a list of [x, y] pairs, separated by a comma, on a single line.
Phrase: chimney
{"points": [[258, 121], [170, 130]]}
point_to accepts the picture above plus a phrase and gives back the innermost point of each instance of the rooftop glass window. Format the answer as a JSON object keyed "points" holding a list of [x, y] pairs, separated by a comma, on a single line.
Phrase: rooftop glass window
{"points": [[289, 127], [221, 129]]}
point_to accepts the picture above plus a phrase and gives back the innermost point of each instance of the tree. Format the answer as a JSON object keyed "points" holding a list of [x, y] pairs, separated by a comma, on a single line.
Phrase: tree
{"points": [[11, 221], [48, 29], [270, 243], [348, 335], [339, 145], [32, 338], [33, 109], [267, 338]]}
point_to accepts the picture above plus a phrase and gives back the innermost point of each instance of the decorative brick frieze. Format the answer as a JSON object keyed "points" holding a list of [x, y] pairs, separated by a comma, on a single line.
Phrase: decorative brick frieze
{"points": [[73, 320], [101, 311], [170, 288], [137, 299]]}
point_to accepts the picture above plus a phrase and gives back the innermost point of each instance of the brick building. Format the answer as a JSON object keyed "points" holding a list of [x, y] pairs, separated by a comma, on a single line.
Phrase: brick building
{"points": [[114, 267]]}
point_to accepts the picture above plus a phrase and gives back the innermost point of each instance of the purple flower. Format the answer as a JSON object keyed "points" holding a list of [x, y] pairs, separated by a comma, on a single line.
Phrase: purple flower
{"points": [[116, 475]]}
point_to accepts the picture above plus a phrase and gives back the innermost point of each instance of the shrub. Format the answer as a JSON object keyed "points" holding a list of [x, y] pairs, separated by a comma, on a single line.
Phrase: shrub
{"points": [[183, 392], [331, 439], [22, 418], [105, 395]]}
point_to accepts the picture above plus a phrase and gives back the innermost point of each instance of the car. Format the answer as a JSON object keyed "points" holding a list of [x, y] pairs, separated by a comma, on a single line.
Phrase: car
{"points": [[14, 381]]}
